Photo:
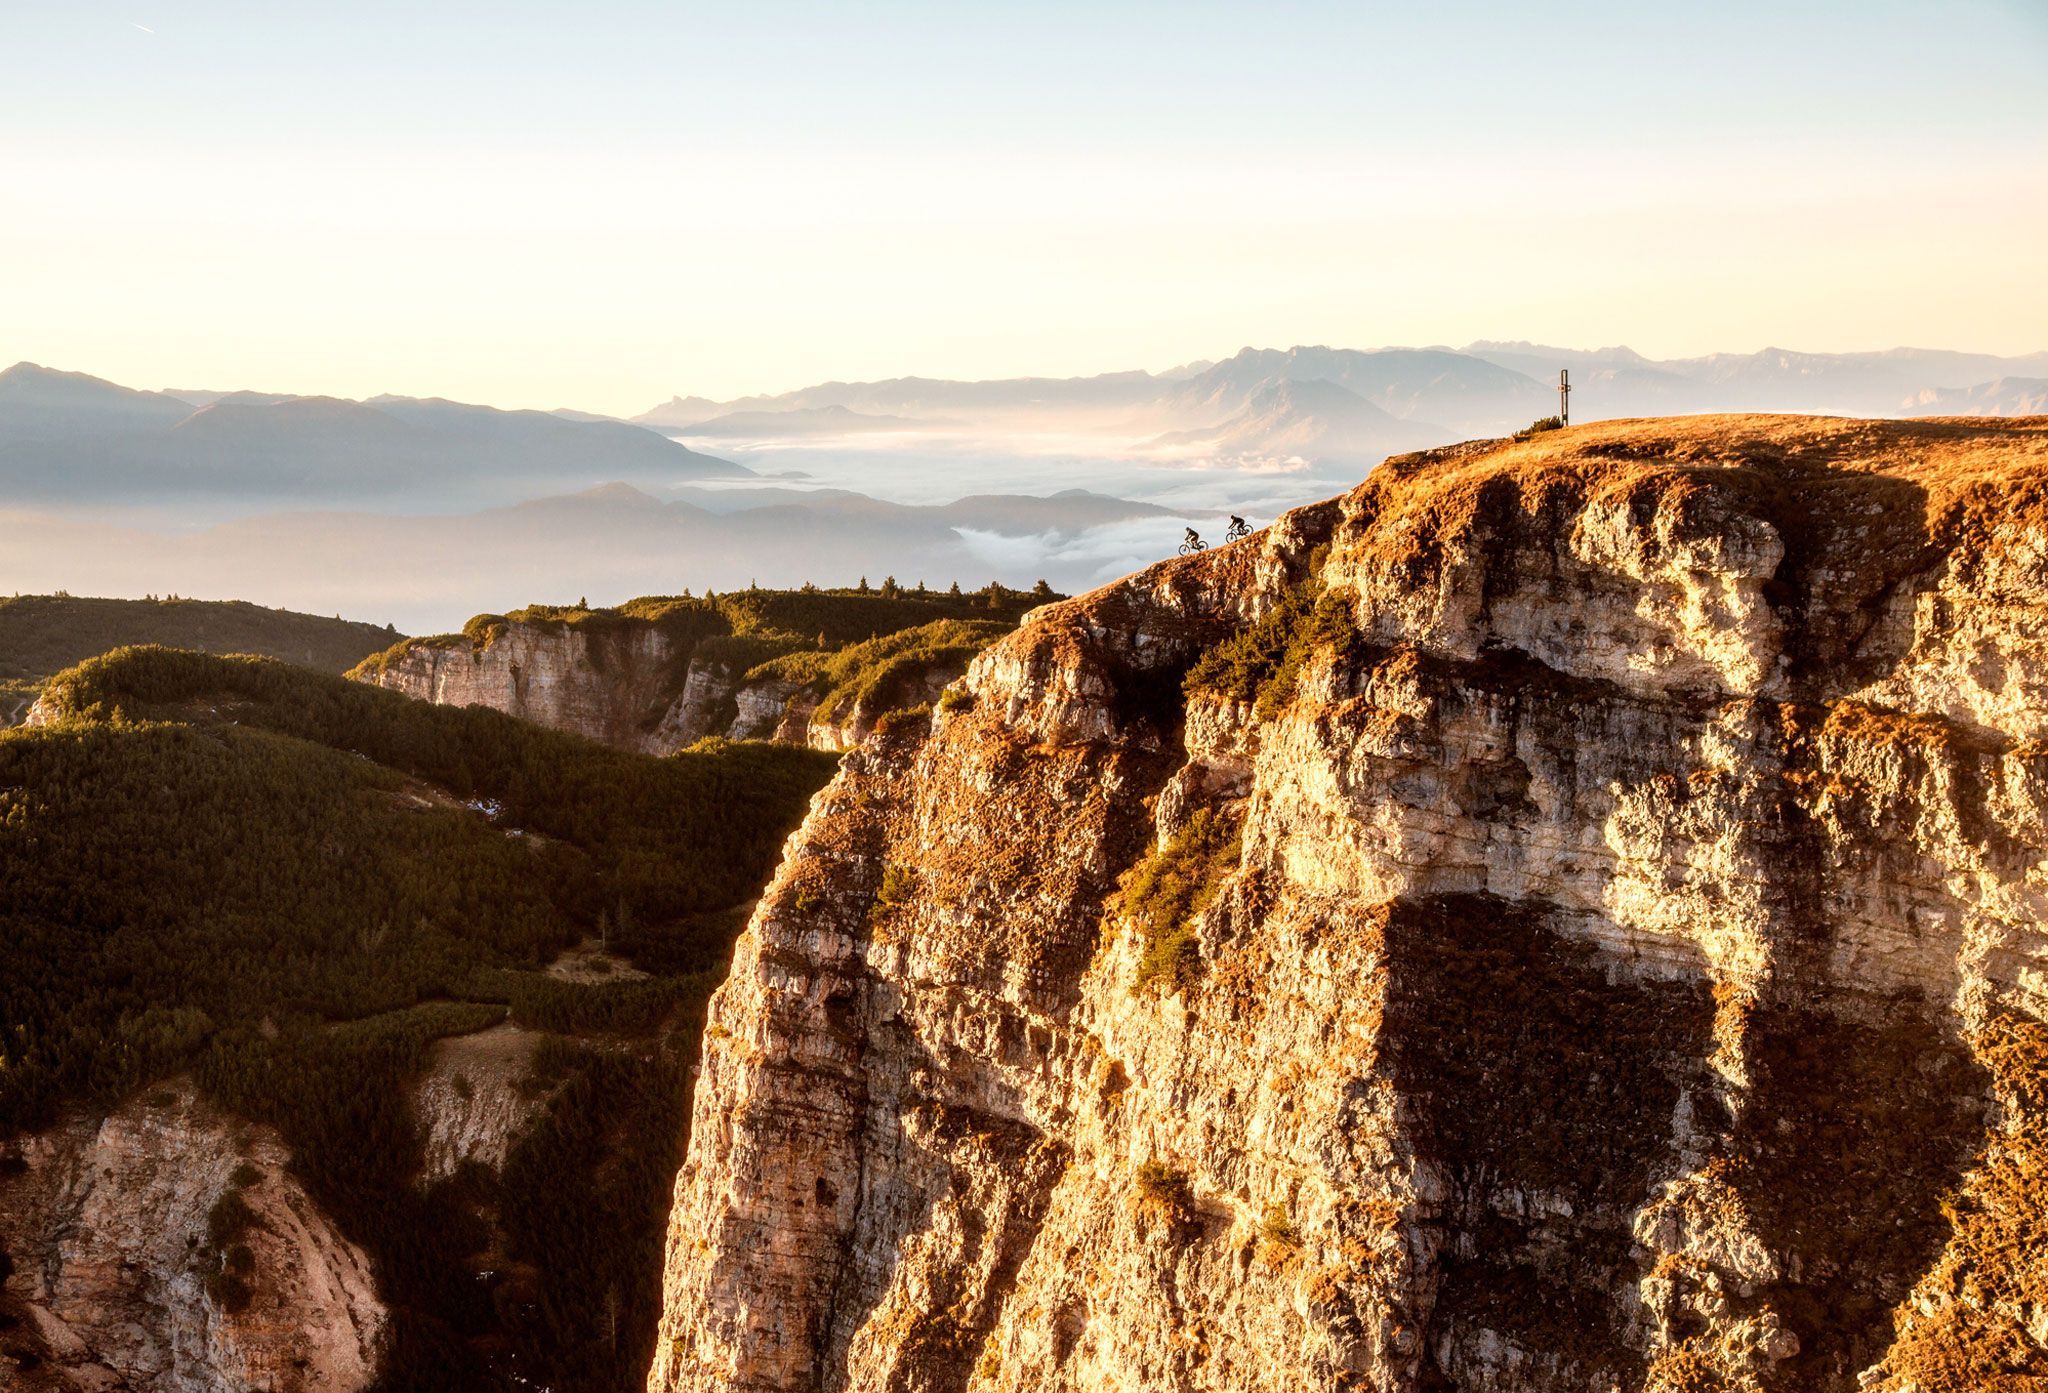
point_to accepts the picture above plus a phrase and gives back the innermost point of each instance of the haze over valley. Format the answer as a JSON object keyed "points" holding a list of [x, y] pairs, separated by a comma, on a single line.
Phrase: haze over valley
{"points": [[108, 489], [1086, 696]]}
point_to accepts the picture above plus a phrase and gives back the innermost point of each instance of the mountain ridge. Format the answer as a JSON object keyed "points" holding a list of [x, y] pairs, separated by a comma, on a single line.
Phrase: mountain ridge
{"points": [[69, 435], [1292, 419], [1488, 387], [2006, 396], [41, 635]]}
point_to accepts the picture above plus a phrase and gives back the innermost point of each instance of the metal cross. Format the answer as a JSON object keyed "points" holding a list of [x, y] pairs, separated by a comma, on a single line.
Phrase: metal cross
{"points": [[1564, 395]]}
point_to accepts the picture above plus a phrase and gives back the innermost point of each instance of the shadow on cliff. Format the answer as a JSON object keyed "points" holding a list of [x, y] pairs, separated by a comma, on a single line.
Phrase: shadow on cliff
{"points": [[1854, 543], [1853, 1133], [1862, 1112], [1546, 1096]]}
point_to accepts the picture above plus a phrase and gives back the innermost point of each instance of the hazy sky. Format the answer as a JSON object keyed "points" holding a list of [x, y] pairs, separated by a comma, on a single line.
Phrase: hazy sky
{"points": [[605, 203]]}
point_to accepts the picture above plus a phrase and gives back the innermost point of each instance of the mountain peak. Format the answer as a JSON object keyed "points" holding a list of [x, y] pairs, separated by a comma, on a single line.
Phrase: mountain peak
{"points": [[37, 388], [37, 375], [618, 491]]}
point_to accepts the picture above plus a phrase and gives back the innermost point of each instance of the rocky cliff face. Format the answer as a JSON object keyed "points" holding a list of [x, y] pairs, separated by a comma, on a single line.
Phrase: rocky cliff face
{"points": [[628, 685], [1580, 929], [631, 685], [167, 1247]]}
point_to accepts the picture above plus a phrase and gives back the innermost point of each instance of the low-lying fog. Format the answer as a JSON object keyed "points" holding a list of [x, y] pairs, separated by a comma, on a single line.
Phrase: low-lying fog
{"points": [[421, 512], [918, 510]]}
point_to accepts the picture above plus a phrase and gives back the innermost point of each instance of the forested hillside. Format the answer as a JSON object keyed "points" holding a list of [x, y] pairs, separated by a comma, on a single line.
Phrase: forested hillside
{"points": [[289, 885], [44, 634]]}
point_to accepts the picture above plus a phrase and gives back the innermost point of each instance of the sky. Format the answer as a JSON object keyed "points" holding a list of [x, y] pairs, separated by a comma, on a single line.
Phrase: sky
{"points": [[606, 204]]}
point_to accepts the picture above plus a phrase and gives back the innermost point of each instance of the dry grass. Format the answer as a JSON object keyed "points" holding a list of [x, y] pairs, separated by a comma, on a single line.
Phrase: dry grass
{"points": [[1162, 1201], [1994, 1270], [1950, 459], [1687, 1369], [1279, 1240]]}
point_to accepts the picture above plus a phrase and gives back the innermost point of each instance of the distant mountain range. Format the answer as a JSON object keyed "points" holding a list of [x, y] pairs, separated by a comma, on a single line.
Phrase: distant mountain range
{"points": [[422, 511], [612, 541], [68, 437], [2008, 396], [1284, 419], [1253, 405], [923, 398], [1620, 382], [1453, 392], [810, 420]]}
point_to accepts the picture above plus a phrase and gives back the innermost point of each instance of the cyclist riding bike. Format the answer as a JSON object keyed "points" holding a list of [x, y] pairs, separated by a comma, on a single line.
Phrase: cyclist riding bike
{"points": [[1192, 543]]}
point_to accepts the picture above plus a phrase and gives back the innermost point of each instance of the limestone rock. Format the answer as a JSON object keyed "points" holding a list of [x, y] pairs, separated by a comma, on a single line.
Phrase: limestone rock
{"points": [[112, 1264], [630, 684], [1625, 970], [626, 684], [470, 1100]]}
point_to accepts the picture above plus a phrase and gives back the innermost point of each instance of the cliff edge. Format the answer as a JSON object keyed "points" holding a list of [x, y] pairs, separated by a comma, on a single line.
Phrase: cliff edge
{"points": [[800, 667], [1565, 915]]}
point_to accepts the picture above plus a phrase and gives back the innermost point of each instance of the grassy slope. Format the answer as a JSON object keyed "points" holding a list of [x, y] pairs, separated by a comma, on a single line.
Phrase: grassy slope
{"points": [[289, 884], [883, 673]]}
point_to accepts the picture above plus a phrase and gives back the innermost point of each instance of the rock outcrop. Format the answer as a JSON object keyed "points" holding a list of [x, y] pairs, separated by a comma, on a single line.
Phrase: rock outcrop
{"points": [[1579, 928], [631, 685], [167, 1247], [474, 1100], [655, 679]]}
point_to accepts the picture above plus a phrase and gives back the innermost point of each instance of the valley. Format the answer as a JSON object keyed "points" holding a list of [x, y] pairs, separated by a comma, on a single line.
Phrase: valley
{"points": [[279, 498]]}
